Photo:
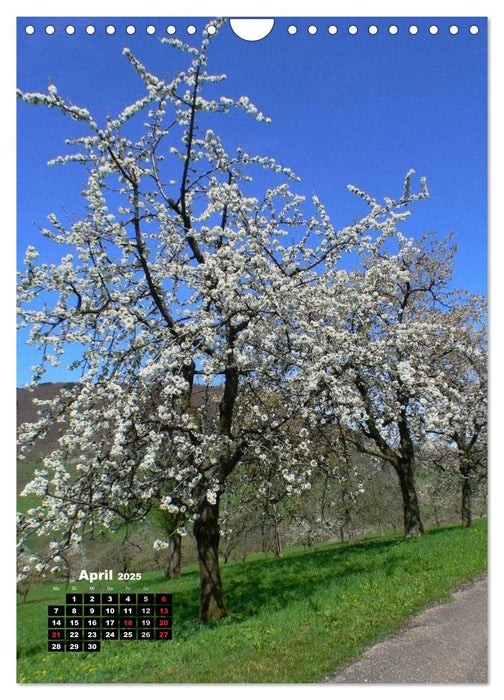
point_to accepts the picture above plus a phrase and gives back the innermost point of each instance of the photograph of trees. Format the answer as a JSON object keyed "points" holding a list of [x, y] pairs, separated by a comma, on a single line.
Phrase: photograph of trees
{"points": [[221, 358]]}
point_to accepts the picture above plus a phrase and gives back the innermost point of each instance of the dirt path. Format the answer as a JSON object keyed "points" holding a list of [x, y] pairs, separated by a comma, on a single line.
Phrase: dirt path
{"points": [[443, 644]]}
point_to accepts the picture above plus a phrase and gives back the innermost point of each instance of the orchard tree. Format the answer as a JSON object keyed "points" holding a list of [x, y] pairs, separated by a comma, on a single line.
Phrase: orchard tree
{"points": [[467, 384], [338, 482], [459, 443], [378, 369], [173, 525]]}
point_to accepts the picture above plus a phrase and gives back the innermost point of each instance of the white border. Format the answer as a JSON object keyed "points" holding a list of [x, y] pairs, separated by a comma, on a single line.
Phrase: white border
{"points": [[259, 8]]}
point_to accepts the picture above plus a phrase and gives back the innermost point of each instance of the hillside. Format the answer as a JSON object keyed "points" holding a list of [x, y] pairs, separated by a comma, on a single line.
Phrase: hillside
{"points": [[27, 410]]}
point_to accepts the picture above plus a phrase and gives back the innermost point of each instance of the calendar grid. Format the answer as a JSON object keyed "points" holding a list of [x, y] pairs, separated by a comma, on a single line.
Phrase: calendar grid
{"points": [[87, 619]]}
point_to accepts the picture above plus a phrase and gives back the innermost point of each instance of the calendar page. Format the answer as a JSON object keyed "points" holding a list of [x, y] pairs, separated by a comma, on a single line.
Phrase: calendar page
{"points": [[252, 389]]}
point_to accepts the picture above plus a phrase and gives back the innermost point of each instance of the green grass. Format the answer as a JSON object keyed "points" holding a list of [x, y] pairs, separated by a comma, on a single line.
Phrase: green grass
{"points": [[291, 620], [24, 474]]}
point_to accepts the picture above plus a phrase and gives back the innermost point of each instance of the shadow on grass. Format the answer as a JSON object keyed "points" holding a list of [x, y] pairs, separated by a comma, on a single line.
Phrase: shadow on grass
{"points": [[269, 584], [274, 584]]}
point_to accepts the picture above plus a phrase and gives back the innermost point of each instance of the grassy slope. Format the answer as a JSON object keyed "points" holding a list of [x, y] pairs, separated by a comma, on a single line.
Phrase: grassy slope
{"points": [[291, 620]]}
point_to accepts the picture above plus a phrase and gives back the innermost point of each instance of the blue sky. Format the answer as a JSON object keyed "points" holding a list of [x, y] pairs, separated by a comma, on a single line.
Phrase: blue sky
{"points": [[358, 109]]}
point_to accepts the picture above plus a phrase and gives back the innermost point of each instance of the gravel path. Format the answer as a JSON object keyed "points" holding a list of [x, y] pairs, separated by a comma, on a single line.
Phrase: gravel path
{"points": [[444, 644]]}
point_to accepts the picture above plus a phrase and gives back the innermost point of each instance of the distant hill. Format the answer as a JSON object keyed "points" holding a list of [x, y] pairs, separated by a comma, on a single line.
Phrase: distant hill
{"points": [[27, 411]]}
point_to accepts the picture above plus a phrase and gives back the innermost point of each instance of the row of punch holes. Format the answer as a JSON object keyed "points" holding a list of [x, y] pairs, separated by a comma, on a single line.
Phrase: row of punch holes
{"points": [[291, 29]]}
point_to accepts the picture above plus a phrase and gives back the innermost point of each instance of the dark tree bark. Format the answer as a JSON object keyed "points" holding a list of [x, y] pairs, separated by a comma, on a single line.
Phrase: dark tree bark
{"points": [[206, 527], [401, 458], [411, 510], [277, 544], [468, 467], [206, 532], [466, 513], [174, 564], [23, 592]]}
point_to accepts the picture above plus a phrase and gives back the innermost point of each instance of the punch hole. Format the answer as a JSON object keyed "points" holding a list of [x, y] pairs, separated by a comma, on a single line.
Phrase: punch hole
{"points": [[473, 29], [110, 29], [151, 29], [211, 29], [191, 29], [413, 29], [29, 29], [393, 29], [49, 29], [90, 29], [292, 29], [373, 29], [454, 29], [332, 29], [352, 29], [433, 29], [252, 29], [70, 29], [312, 29], [171, 29], [130, 29]]}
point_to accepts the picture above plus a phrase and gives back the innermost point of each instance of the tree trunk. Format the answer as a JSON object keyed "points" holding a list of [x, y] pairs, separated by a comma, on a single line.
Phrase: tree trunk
{"points": [[264, 543], [206, 532], [173, 569], [436, 515], [411, 510], [277, 544], [466, 501]]}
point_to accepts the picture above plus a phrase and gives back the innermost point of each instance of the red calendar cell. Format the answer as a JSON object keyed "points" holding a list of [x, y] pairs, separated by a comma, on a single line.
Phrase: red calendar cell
{"points": [[163, 622], [55, 635], [163, 634], [163, 610], [163, 598]]}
